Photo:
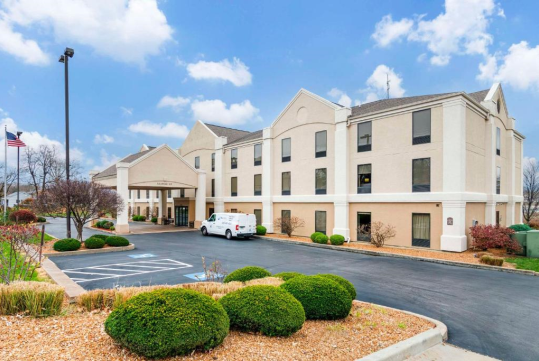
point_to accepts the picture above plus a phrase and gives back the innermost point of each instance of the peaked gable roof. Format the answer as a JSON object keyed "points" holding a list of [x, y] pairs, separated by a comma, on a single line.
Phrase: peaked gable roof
{"points": [[230, 133], [111, 171]]}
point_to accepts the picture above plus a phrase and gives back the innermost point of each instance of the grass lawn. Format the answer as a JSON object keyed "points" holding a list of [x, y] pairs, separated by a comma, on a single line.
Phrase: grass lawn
{"points": [[37, 239], [531, 264], [5, 248]]}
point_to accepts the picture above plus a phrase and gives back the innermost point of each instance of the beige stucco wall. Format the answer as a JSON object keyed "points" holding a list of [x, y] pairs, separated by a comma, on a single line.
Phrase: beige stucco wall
{"points": [[392, 153], [400, 216], [518, 167], [518, 212], [245, 171], [475, 152], [474, 211], [243, 207], [300, 122], [306, 211]]}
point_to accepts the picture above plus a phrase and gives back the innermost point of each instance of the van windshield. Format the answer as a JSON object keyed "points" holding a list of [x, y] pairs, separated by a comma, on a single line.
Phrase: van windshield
{"points": [[212, 218]]}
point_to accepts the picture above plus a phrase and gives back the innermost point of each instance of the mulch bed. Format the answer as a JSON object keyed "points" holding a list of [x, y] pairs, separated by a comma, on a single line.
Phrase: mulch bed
{"points": [[81, 336]]}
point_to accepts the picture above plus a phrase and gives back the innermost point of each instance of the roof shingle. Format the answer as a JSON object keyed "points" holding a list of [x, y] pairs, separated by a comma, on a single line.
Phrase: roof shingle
{"points": [[111, 171]]}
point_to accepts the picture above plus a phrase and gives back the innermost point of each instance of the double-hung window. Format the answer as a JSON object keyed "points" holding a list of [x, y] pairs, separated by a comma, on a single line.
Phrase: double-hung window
{"points": [[213, 187], [364, 137], [234, 158], [258, 154], [320, 221], [498, 180], [421, 175], [321, 181], [498, 141], [421, 127], [286, 150], [420, 230], [258, 184], [234, 186], [321, 141], [197, 162], [364, 178], [169, 193], [213, 162], [286, 183]]}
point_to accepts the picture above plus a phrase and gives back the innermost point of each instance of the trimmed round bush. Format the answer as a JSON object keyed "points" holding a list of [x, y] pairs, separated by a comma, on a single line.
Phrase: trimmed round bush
{"points": [[336, 240], [266, 309], [168, 322], [520, 227], [41, 219], [321, 238], [246, 274], [107, 225], [343, 282], [94, 243], [66, 244], [22, 216], [112, 228], [117, 241], [315, 234], [154, 219], [261, 230], [285, 276], [321, 298], [101, 236], [136, 218]]}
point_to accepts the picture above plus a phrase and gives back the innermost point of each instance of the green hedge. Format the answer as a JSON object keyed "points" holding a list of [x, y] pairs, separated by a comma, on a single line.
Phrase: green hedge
{"points": [[315, 234], [321, 238], [266, 309], [321, 298], [285, 276], [41, 219], [261, 230], [336, 240], [101, 236], [94, 243], [168, 322], [343, 282], [117, 241], [246, 274], [66, 244], [521, 227]]}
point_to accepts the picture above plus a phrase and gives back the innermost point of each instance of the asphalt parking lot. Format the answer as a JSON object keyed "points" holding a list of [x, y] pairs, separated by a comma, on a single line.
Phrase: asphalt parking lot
{"points": [[489, 312]]}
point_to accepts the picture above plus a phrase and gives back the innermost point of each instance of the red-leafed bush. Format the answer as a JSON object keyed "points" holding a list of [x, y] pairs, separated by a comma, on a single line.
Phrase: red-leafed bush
{"points": [[491, 236], [22, 216]]}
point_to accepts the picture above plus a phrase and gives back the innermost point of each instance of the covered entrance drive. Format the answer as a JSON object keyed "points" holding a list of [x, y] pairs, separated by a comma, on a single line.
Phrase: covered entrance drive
{"points": [[160, 169]]}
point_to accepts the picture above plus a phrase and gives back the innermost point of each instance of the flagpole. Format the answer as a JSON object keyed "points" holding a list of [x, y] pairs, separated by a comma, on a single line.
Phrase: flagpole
{"points": [[5, 172]]}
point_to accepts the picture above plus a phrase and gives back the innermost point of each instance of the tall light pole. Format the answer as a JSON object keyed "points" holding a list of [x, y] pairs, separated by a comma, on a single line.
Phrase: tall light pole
{"points": [[68, 53], [18, 168]]}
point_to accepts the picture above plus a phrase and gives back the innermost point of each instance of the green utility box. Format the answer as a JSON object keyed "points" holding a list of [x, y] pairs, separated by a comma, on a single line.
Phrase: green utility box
{"points": [[521, 238], [532, 244]]}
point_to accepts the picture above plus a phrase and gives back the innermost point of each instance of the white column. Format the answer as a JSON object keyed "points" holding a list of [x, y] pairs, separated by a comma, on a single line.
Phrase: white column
{"points": [[454, 176], [340, 204], [151, 203], [162, 205], [218, 203], [200, 201], [490, 171], [133, 193], [490, 212], [511, 179], [122, 187], [267, 173]]}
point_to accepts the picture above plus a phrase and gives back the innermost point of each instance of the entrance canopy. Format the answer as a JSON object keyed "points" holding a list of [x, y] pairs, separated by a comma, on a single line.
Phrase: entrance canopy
{"points": [[160, 168]]}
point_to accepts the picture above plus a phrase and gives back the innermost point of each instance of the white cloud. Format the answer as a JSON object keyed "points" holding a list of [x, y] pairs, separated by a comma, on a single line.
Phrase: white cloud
{"points": [[176, 103], [216, 111], [171, 130], [461, 29], [388, 31], [103, 139], [124, 30], [377, 83], [236, 72], [341, 97], [518, 68], [107, 159], [126, 112]]}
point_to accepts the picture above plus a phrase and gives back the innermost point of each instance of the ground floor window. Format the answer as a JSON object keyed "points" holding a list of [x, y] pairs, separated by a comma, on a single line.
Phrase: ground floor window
{"points": [[233, 210], [320, 221], [147, 212], [211, 211], [420, 230], [138, 211], [363, 227], [497, 218], [258, 215], [169, 212], [285, 214], [157, 210]]}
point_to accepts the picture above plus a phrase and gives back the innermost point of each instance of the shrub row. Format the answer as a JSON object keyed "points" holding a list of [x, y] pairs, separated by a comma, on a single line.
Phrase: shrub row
{"points": [[95, 241], [336, 239], [137, 218], [104, 224]]}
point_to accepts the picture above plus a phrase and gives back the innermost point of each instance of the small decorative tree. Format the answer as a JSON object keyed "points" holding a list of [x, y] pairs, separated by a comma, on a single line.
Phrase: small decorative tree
{"points": [[17, 259], [288, 224], [86, 201], [379, 233]]}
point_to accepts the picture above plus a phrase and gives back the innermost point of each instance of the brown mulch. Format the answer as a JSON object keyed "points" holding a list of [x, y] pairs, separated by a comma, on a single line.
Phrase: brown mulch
{"points": [[81, 336], [466, 257]]}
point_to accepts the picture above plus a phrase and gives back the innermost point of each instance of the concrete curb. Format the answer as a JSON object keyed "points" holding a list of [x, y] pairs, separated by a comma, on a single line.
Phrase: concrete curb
{"points": [[71, 289], [91, 251], [412, 346], [396, 255]]}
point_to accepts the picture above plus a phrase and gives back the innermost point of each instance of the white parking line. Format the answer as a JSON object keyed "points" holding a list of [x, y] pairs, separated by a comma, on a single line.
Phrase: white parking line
{"points": [[133, 268]]}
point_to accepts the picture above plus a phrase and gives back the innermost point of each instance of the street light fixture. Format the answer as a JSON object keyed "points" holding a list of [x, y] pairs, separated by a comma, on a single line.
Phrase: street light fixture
{"points": [[68, 53]]}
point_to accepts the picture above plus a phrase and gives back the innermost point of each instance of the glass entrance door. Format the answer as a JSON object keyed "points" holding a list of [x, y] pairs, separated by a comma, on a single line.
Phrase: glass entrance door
{"points": [[182, 216]]}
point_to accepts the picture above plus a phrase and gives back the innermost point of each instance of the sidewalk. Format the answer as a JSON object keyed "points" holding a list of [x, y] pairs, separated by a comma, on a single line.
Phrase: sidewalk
{"points": [[447, 352]]}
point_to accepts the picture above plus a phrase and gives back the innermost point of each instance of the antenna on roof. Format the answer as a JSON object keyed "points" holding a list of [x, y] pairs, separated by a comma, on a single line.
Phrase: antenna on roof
{"points": [[387, 82]]}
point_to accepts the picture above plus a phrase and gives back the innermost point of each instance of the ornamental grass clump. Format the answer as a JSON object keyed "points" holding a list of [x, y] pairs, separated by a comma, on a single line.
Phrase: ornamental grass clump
{"points": [[269, 310], [168, 322], [491, 260], [321, 298], [246, 274], [36, 299]]}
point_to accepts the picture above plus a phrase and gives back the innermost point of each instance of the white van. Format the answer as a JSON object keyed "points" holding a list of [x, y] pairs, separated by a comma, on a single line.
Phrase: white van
{"points": [[230, 225]]}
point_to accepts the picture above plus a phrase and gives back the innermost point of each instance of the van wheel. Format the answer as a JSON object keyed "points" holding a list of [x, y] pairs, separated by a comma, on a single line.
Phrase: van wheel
{"points": [[204, 231], [228, 234]]}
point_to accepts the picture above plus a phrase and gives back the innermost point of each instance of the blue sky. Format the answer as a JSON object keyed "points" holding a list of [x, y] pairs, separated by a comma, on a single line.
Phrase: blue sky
{"points": [[144, 71]]}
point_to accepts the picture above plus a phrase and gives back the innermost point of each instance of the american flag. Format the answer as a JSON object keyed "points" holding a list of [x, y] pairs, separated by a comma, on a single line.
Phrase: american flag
{"points": [[14, 141]]}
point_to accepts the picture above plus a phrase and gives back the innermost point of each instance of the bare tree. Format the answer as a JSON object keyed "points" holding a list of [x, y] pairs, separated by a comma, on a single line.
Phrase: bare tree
{"points": [[530, 189], [86, 201], [288, 224], [10, 179], [378, 232]]}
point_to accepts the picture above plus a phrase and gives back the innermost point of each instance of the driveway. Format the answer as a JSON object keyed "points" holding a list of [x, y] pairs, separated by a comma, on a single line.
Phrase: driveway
{"points": [[489, 312]]}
